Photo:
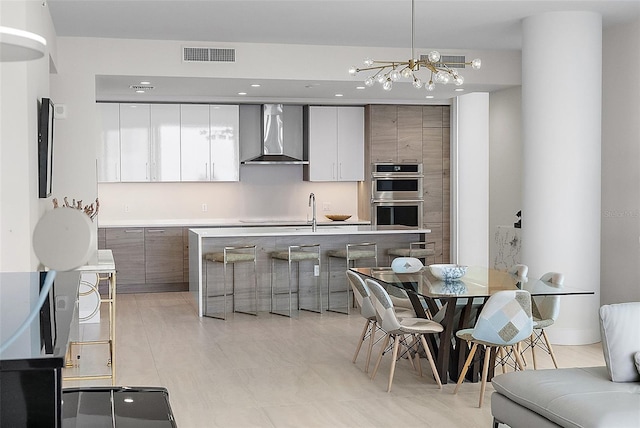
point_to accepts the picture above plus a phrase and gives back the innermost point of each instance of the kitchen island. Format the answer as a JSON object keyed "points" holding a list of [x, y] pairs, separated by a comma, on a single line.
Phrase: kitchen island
{"points": [[267, 239]]}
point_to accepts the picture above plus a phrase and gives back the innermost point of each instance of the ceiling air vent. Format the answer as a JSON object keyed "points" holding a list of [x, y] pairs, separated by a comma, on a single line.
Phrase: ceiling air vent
{"points": [[208, 54], [456, 59]]}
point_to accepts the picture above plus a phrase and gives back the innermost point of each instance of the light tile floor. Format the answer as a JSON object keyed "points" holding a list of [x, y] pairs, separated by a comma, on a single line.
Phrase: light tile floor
{"points": [[272, 371]]}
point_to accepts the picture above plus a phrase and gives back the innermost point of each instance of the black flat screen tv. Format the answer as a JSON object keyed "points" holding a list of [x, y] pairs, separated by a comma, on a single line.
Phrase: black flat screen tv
{"points": [[45, 148]]}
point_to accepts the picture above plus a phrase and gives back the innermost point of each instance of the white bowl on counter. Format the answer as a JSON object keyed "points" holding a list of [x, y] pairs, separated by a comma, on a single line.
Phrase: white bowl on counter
{"points": [[448, 272]]}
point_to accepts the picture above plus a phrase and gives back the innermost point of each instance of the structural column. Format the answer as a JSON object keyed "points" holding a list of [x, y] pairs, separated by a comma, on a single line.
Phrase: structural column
{"points": [[561, 108]]}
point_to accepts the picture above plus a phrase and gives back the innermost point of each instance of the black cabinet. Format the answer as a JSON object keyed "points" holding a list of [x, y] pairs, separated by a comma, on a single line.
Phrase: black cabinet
{"points": [[31, 367]]}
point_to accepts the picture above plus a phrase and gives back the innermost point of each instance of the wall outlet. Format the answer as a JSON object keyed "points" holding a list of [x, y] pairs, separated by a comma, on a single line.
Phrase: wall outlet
{"points": [[316, 270], [204, 208], [326, 206], [126, 208]]}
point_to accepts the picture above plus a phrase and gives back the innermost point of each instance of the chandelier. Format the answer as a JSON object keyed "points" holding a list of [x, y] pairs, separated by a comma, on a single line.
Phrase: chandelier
{"points": [[441, 71]]}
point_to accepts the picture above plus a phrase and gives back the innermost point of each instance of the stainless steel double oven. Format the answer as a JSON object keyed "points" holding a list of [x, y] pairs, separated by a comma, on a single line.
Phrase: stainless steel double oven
{"points": [[397, 197]]}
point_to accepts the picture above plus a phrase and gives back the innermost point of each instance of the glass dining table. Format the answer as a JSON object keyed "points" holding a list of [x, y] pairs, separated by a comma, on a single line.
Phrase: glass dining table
{"points": [[456, 304]]}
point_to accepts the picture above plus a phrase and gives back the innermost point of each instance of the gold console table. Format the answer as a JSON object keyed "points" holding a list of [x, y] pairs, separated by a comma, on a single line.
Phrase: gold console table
{"points": [[105, 269]]}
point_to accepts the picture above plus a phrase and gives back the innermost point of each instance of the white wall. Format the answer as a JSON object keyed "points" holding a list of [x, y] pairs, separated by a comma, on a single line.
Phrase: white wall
{"points": [[505, 161], [470, 180], [22, 85], [620, 239]]}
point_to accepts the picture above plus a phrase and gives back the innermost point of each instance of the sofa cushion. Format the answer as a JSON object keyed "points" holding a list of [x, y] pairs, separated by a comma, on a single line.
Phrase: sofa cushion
{"points": [[620, 333], [573, 397]]}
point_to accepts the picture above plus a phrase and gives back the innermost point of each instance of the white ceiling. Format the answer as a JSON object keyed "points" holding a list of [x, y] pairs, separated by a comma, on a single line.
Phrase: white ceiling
{"points": [[450, 24]]}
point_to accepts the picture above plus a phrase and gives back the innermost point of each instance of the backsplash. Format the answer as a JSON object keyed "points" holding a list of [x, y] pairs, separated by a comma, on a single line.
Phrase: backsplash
{"points": [[264, 192]]}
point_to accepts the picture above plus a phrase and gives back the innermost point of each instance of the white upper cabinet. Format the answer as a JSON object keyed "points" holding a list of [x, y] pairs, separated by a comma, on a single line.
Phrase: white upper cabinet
{"points": [[210, 142], [224, 125], [165, 142], [109, 144], [194, 134], [335, 144], [135, 138]]}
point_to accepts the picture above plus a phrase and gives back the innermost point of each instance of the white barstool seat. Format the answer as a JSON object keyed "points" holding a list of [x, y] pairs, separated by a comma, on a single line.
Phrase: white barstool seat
{"points": [[419, 250], [297, 254], [231, 255], [352, 253]]}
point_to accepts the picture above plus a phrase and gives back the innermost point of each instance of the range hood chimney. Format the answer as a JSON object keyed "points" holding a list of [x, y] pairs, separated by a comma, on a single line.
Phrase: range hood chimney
{"points": [[282, 137]]}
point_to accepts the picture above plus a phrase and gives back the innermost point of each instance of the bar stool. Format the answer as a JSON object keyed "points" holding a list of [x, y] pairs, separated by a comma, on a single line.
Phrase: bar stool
{"points": [[296, 254], [231, 255], [419, 250], [351, 254]]}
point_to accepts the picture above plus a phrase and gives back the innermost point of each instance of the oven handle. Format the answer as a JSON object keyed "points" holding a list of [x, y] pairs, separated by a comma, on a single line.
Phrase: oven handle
{"points": [[395, 175], [376, 201]]}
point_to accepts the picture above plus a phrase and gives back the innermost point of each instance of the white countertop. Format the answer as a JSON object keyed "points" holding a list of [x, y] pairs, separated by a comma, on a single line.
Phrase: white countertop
{"points": [[252, 222], [301, 230]]}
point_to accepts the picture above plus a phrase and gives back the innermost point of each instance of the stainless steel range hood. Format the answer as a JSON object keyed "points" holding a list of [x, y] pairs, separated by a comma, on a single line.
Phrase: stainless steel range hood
{"points": [[282, 136]]}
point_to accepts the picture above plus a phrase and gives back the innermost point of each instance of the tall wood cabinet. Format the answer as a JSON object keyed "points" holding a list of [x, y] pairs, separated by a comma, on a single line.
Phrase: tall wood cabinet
{"points": [[400, 133]]}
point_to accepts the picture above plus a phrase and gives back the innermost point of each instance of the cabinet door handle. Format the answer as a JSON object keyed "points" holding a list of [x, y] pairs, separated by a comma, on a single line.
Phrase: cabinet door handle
{"points": [[146, 169], [133, 231], [212, 164], [206, 170], [409, 160], [155, 230], [333, 170]]}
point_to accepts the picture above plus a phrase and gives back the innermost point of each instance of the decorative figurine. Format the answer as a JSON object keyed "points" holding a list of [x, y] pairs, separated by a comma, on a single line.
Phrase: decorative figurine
{"points": [[518, 224]]}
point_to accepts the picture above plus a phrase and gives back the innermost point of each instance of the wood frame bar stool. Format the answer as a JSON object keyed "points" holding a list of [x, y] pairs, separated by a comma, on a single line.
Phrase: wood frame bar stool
{"points": [[296, 254], [419, 250], [231, 256], [351, 254]]}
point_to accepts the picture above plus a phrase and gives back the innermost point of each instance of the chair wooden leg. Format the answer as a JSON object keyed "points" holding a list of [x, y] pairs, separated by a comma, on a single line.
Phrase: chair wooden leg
{"points": [[533, 350], [465, 367], [385, 342], [432, 363], [553, 357], [372, 338], [362, 336], [485, 373], [396, 345], [519, 361]]}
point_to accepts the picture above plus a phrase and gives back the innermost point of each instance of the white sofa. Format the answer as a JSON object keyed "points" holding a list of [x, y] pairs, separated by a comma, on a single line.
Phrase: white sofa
{"points": [[603, 397]]}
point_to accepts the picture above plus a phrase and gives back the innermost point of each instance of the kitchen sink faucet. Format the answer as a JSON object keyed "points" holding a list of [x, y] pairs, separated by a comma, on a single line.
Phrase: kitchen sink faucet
{"points": [[312, 202]]}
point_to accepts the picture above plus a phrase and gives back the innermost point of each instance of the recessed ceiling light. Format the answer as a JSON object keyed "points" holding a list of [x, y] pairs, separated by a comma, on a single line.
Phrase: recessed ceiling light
{"points": [[429, 96], [459, 89], [339, 95], [242, 93], [140, 91], [128, 400], [359, 87], [145, 82], [255, 85]]}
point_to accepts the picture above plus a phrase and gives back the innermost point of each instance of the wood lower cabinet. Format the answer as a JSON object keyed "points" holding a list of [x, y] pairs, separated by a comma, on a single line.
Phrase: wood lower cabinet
{"points": [[164, 255], [147, 259]]}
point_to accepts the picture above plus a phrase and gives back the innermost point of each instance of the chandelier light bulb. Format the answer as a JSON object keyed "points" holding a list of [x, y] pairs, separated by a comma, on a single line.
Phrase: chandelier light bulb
{"points": [[476, 63], [368, 62], [431, 86], [353, 70], [459, 80], [407, 73], [434, 56], [369, 81], [417, 83], [381, 78], [387, 85], [394, 75]]}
